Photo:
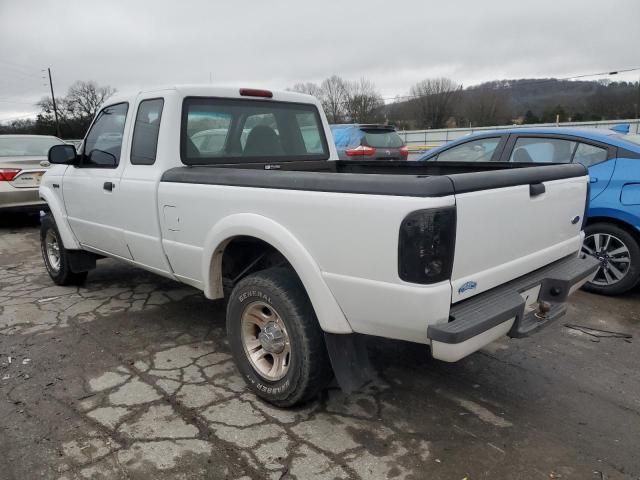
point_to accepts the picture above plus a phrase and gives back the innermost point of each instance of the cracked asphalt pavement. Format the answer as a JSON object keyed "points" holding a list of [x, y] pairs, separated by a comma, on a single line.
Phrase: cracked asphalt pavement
{"points": [[130, 377]]}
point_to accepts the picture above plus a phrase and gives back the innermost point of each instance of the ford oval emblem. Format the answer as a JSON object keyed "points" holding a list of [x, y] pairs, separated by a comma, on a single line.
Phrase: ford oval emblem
{"points": [[575, 219], [470, 285]]}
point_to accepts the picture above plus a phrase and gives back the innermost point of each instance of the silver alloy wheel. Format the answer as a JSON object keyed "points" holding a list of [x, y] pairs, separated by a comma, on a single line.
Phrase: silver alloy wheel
{"points": [[265, 341], [52, 249], [613, 254]]}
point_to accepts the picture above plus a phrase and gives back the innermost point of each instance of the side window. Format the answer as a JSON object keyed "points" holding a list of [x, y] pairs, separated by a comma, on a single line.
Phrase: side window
{"points": [[480, 150], [589, 155], [145, 132], [542, 150], [103, 144]]}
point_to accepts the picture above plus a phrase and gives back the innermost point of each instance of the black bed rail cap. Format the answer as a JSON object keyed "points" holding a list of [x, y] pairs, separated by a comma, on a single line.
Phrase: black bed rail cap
{"points": [[370, 184], [472, 182]]}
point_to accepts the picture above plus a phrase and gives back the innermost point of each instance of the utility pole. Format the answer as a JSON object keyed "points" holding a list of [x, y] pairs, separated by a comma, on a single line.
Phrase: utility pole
{"points": [[53, 99]]}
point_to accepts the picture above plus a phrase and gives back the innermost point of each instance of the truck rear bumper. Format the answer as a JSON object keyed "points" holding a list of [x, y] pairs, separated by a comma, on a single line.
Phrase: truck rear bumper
{"points": [[510, 309]]}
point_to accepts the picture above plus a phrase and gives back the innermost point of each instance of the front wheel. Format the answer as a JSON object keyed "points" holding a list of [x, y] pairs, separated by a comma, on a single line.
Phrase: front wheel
{"points": [[55, 256], [619, 256], [275, 338]]}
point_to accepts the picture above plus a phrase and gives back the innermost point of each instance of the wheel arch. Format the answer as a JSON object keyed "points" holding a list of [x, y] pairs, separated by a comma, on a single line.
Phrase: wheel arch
{"points": [[56, 208], [622, 223], [282, 241]]}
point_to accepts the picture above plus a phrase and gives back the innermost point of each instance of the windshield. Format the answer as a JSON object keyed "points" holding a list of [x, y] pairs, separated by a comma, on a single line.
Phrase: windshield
{"points": [[27, 146], [382, 138], [629, 137]]}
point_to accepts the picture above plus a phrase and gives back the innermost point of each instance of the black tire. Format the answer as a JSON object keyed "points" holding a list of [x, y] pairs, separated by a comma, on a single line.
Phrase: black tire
{"points": [[632, 275], [63, 274], [309, 369]]}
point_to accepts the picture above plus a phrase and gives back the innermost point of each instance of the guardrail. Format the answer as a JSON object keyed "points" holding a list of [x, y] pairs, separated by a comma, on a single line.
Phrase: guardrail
{"points": [[421, 140]]}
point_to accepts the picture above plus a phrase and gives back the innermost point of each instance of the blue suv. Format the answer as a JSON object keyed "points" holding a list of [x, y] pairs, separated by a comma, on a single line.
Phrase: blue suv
{"points": [[612, 232]]}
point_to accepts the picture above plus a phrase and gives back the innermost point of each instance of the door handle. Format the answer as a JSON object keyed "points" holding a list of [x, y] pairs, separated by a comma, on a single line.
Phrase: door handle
{"points": [[536, 189], [108, 186]]}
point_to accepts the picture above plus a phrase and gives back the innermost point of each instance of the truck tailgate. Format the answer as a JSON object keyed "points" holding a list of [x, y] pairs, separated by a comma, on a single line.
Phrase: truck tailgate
{"points": [[513, 222]]}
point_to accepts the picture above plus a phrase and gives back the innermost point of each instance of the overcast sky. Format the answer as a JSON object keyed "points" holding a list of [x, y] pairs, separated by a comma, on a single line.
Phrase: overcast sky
{"points": [[275, 44]]}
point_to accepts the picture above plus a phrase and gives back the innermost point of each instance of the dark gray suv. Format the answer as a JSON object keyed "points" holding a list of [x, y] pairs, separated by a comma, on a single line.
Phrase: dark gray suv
{"points": [[368, 142]]}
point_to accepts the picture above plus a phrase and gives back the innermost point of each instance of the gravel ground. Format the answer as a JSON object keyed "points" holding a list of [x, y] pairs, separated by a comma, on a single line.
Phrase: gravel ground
{"points": [[130, 377]]}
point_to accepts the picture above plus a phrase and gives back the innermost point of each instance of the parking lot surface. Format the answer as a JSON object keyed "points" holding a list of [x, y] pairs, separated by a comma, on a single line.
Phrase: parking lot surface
{"points": [[130, 377]]}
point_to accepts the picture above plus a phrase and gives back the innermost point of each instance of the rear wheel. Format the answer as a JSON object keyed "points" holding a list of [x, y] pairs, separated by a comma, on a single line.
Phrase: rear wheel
{"points": [[275, 338], [56, 257], [619, 256]]}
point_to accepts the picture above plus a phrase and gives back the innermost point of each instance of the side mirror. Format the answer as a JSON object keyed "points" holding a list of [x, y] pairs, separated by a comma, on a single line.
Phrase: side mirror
{"points": [[62, 154]]}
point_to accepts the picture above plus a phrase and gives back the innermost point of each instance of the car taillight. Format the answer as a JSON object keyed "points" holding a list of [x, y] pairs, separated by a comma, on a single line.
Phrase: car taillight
{"points": [[8, 174], [426, 244], [404, 152], [361, 151]]}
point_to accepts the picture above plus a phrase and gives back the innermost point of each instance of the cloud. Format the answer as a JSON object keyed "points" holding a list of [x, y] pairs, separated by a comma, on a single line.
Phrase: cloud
{"points": [[130, 45]]}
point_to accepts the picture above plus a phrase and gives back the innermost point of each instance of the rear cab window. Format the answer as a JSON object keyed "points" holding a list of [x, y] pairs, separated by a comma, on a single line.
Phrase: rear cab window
{"points": [[216, 130]]}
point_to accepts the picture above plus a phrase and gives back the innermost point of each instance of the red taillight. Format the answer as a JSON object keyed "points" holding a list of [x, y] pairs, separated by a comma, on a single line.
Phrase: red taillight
{"points": [[254, 92], [8, 174], [404, 152], [361, 151]]}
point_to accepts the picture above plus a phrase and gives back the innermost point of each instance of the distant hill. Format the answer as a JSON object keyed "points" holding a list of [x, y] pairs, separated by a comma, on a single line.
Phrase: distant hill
{"points": [[503, 102]]}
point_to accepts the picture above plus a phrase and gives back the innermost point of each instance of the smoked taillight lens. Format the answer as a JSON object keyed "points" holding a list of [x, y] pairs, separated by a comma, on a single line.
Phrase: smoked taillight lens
{"points": [[360, 151], [8, 174], [426, 245], [404, 153]]}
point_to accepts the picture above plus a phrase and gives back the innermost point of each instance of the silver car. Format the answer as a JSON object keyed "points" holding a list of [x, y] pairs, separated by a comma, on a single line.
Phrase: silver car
{"points": [[23, 161]]}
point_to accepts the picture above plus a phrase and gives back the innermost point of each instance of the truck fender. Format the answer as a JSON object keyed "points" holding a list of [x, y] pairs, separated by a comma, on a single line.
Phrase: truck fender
{"points": [[330, 316], [59, 214]]}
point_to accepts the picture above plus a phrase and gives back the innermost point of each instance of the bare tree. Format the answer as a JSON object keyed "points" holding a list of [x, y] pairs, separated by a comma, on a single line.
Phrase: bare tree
{"points": [[334, 97], [363, 102], [84, 98], [486, 104], [434, 101], [309, 88], [76, 109]]}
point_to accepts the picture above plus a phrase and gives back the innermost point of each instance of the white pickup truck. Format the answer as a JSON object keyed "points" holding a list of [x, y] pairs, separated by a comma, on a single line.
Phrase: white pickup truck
{"points": [[240, 193]]}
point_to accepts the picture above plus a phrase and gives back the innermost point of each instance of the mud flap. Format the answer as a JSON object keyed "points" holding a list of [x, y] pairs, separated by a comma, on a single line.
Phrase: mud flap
{"points": [[350, 361], [81, 261]]}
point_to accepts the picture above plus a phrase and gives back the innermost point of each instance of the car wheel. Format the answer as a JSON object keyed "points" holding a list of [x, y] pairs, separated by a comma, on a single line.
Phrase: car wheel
{"points": [[275, 338], [56, 257], [619, 256]]}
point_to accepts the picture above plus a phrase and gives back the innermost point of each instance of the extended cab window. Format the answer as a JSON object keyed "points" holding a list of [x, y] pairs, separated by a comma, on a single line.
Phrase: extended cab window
{"points": [[542, 150], [235, 131], [103, 144], [480, 150], [145, 132]]}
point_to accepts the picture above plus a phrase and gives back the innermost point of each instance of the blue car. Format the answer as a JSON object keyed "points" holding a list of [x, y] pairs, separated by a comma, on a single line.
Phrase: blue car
{"points": [[612, 232]]}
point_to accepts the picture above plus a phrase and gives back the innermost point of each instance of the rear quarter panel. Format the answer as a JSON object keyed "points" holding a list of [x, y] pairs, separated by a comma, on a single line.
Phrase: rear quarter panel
{"points": [[352, 239]]}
